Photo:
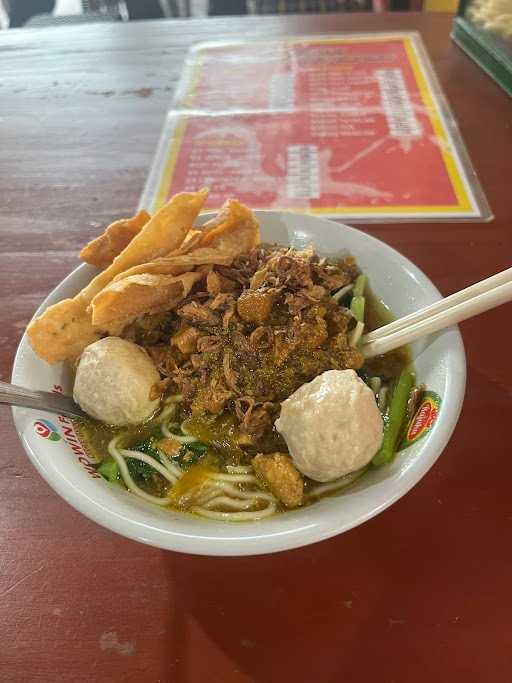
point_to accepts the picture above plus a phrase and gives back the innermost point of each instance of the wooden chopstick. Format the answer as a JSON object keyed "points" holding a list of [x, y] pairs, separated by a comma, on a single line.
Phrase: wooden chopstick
{"points": [[440, 306], [451, 316]]}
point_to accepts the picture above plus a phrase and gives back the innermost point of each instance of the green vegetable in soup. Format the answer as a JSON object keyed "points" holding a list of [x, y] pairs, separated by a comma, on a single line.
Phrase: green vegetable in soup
{"points": [[147, 446], [197, 447], [141, 470], [395, 417], [357, 308], [109, 469], [359, 285]]}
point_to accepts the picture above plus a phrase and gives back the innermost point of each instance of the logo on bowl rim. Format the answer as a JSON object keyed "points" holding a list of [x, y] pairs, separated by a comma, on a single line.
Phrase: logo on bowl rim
{"points": [[423, 419], [47, 430]]}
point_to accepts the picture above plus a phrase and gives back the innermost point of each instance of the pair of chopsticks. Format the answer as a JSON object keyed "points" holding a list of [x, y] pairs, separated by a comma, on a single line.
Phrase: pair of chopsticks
{"points": [[453, 309]]}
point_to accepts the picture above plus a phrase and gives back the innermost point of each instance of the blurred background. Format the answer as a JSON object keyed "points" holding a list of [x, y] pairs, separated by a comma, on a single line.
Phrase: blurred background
{"points": [[41, 13]]}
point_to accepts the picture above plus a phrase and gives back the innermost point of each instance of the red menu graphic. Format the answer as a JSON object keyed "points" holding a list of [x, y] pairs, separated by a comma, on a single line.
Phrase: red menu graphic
{"points": [[351, 127]]}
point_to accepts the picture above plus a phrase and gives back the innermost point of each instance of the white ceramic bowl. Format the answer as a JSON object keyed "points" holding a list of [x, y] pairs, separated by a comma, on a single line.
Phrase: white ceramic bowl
{"points": [[440, 363]]}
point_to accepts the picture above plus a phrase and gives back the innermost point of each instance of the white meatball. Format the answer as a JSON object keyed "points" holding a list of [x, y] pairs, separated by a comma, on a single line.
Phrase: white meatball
{"points": [[332, 425], [114, 380]]}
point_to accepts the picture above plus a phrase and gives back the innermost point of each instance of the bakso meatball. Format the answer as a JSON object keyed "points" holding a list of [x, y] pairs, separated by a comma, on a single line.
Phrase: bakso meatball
{"points": [[114, 380], [331, 425]]}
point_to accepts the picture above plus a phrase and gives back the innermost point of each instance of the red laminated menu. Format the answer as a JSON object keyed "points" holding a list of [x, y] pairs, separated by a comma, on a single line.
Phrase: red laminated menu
{"points": [[352, 127]]}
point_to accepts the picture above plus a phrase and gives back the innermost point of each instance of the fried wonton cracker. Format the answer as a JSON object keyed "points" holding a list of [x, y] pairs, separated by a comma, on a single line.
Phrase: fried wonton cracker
{"points": [[191, 241], [174, 265], [102, 251], [139, 294], [233, 231], [62, 332], [163, 233]]}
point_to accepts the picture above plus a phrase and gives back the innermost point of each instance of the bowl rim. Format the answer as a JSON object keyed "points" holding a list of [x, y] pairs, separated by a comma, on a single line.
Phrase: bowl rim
{"points": [[262, 542]]}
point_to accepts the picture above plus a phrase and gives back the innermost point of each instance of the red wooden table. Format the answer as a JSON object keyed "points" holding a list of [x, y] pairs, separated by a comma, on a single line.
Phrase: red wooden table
{"points": [[420, 593]]}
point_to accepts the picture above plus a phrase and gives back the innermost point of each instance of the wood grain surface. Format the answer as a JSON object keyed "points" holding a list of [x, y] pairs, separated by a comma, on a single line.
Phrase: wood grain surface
{"points": [[420, 593]]}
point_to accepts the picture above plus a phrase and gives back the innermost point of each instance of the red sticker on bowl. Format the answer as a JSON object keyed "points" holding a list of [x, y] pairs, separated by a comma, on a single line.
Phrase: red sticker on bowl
{"points": [[423, 419]]}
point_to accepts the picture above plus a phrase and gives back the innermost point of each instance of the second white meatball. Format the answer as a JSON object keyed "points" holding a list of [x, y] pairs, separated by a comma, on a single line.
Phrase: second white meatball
{"points": [[332, 425]]}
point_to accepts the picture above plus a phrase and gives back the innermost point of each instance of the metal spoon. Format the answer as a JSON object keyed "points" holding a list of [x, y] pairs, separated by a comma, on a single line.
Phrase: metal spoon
{"points": [[43, 400]]}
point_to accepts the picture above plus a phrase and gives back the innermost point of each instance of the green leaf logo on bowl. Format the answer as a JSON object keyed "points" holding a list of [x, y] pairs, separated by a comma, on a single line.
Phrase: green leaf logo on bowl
{"points": [[47, 430]]}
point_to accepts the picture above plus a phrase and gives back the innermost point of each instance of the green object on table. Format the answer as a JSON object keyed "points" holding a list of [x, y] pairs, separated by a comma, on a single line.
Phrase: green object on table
{"points": [[395, 417], [492, 52]]}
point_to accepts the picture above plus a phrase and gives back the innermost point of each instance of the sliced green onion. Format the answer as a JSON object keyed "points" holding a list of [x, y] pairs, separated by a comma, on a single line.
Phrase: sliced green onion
{"points": [[357, 308], [395, 419], [360, 285]]}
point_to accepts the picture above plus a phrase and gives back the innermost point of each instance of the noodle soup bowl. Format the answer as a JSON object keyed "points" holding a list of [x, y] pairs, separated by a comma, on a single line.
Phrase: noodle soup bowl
{"points": [[54, 447]]}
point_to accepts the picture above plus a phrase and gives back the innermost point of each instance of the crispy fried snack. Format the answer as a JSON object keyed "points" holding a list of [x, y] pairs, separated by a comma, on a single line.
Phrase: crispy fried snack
{"points": [[121, 302], [233, 231], [191, 241], [175, 265], [102, 251], [163, 233], [153, 273], [64, 330]]}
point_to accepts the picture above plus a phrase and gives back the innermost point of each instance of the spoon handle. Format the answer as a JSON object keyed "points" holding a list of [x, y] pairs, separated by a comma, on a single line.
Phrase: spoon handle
{"points": [[13, 395]]}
